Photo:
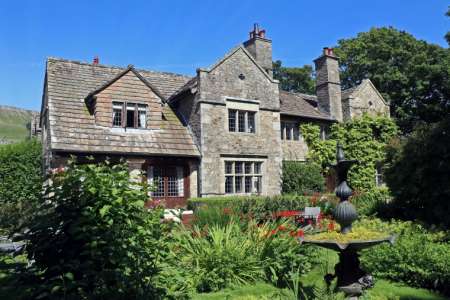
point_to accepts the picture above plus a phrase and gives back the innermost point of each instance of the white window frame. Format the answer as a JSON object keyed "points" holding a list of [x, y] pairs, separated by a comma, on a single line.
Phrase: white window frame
{"points": [[241, 175], [246, 107], [125, 106], [290, 131]]}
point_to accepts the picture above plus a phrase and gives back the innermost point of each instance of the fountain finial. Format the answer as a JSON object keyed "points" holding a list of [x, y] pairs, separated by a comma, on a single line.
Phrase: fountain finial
{"points": [[339, 152], [345, 213]]}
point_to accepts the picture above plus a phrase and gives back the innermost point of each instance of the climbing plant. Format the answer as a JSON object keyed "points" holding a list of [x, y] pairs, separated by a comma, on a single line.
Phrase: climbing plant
{"points": [[362, 138]]}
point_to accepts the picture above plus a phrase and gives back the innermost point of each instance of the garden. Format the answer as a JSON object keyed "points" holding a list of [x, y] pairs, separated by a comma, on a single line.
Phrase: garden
{"points": [[88, 235]]}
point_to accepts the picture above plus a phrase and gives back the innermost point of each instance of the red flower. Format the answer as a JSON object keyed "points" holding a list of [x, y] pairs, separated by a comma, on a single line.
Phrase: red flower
{"points": [[273, 232], [292, 233], [331, 226], [300, 233], [226, 211], [281, 228]]}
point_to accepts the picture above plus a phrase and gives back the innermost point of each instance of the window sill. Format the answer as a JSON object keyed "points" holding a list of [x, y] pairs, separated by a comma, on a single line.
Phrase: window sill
{"points": [[132, 130], [243, 133]]}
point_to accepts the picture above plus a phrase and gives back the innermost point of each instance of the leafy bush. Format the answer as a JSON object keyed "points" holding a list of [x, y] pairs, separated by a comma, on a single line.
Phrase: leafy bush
{"points": [[217, 210], [372, 202], [418, 257], [92, 237], [302, 178], [259, 207], [364, 139], [20, 183], [217, 256], [419, 175]]}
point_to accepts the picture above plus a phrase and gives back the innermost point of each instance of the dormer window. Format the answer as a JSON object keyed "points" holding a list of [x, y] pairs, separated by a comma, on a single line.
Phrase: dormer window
{"points": [[135, 115]]}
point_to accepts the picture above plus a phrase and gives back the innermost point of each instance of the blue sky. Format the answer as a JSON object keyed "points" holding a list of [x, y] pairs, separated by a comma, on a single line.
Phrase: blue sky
{"points": [[179, 36]]}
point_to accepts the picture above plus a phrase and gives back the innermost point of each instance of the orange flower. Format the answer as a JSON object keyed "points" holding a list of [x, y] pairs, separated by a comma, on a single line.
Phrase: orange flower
{"points": [[331, 226]]}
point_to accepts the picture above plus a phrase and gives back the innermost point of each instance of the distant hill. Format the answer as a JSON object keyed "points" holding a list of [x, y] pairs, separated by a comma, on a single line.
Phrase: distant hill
{"points": [[13, 124]]}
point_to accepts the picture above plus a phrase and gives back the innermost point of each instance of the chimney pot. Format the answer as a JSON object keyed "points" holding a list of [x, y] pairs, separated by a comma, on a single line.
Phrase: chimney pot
{"points": [[328, 51], [262, 33], [96, 60]]}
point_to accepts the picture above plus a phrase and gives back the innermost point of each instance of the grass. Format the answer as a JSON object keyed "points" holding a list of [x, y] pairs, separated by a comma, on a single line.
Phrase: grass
{"points": [[383, 289], [13, 124], [258, 290]]}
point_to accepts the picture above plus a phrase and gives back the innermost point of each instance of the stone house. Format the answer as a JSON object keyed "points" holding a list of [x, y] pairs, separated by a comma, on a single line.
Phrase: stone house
{"points": [[224, 131]]}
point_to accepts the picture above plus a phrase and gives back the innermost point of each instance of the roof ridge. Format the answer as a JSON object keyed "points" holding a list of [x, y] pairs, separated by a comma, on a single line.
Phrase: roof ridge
{"points": [[85, 63], [298, 94]]}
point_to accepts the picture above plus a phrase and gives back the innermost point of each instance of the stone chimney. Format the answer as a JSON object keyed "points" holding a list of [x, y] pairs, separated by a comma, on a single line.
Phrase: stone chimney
{"points": [[328, 84], [260, 48]]}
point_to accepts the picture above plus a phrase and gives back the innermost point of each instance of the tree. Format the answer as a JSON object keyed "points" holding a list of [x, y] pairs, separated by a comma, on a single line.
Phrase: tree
{"points": [[447, 36], [419, 174], [364, 139], [93, 239], [20, 183], [294, 79], [412, 74]]}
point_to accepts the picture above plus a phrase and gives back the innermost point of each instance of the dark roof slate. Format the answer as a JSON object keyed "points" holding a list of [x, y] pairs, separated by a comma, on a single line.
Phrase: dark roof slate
{"points": [[301, 105], [73, 128]]}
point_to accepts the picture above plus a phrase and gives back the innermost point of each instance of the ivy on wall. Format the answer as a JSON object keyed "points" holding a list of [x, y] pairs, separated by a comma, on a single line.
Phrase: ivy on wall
{"points": [[363, 138]]}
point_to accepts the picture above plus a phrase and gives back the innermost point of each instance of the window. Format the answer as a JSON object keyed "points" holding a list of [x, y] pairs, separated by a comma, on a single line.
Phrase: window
{"points": [[323, 132], [117, 114], [131, 112], [232, 119], [241, 121], [250, 122], [166, 181], [142, 119], [379, 178], [243, 177], [134, 117], [290, 131]]}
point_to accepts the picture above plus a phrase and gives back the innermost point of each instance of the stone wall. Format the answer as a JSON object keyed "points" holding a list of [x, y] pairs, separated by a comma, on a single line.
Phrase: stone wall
{"points": [[365, 100], [237, 80]]}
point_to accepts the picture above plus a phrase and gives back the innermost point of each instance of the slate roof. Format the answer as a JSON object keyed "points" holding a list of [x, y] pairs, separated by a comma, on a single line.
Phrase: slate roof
{"points": [[301, 105], [73, 128]]}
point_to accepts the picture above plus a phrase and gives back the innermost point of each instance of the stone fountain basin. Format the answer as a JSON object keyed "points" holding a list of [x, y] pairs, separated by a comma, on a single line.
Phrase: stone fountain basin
{"points": [[352, 245]]}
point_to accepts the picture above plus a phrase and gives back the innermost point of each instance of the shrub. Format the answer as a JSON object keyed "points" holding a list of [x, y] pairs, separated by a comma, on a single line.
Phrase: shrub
{"points": [[258, 207], [20, 183], [217, 256], [372, 202], [418, 257], [92, 237], [302, 178], [217, 210], [363, 138], [419, 175]]}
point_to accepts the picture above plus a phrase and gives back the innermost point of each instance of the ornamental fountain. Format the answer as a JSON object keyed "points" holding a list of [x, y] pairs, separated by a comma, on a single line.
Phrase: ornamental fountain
{"points": [[351, 279]]}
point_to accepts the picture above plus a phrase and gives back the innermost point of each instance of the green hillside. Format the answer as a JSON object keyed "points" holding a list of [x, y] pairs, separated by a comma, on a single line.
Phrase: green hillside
{"points": [[13, 123]]}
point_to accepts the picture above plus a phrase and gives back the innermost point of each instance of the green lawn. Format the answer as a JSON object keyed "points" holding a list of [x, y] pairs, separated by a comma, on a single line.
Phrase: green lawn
{"points": [[382, 288], [251, 292], [266, 291]]}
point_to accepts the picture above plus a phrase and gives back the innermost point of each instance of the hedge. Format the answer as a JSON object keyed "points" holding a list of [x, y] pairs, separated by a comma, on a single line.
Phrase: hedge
{"points": [[262, 207], [302, 178], [20, 183]]}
